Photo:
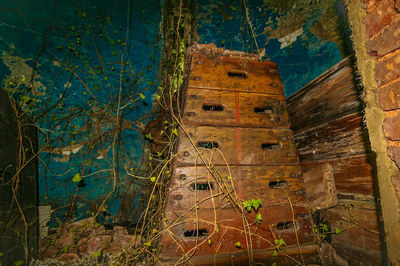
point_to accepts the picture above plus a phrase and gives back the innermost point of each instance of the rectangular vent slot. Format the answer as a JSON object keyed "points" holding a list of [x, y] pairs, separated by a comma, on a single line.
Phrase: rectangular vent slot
{"points": [[285, 226], [213, 107], [270, 146], [264, 110], [202, 186], [237, 74], [278, 184], [196, 233], [207, 145]]}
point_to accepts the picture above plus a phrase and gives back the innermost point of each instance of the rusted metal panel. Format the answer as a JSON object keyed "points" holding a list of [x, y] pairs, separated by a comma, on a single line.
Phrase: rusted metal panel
{"points": [[225, 108], [236, 146], [217, 232], [196, 184], [234, 74]]}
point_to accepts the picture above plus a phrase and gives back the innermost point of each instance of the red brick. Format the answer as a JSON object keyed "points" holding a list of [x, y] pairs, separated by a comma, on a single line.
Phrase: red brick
{"points": [[386, 41], [380, 14], [394, 154], [389, 96], [388, 68], [391, 125]]}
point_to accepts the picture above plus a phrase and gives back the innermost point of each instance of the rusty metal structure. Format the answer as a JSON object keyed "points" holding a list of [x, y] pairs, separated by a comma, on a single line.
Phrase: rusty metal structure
{"points": [[235, 146]]}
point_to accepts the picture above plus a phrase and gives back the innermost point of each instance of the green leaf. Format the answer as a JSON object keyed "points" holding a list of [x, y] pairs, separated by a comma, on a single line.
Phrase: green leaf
{"points": [[77, 178], [96, 254], [18, 262], [156, 97], [153, 179], [1, 254], [256, 203], [142, 96], [147, 244], [337, 231], [259, 218], [275, 253], [209, 242], [238, 244], [174, 131], [26, 99], [149, 136]]}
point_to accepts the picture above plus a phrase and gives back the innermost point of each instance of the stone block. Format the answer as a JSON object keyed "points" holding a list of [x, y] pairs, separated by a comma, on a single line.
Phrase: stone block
{"points": [[49, 252], [389, 96], [97, 243], [379, 15], [386, 41], [119, 230], [69, 257], [65, 239], [391, 125], [388, 68]]}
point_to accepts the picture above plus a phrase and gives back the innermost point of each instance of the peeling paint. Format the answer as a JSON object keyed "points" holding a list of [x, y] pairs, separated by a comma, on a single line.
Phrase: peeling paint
{"points": [[290, 38], [21, 73], [44, 218]]}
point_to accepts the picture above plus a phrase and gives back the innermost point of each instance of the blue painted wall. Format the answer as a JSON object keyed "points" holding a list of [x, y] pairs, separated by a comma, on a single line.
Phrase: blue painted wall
{"points": [[284, 32], [75, 49]]}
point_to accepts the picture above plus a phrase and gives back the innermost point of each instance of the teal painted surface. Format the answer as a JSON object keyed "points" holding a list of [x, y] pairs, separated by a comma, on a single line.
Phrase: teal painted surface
{"points": [[224, 23], [76, 48]]}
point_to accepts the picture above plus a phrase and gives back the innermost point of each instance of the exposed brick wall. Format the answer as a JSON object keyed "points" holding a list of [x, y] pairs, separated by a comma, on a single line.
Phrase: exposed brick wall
{"points": [[382, 26]]}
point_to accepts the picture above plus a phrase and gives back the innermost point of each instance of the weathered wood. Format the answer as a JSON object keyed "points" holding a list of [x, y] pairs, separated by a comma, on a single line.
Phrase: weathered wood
{"points": [[337, 138], [239, 146], [331, 140], [260, 257], [234, 74], [224, 108], [196, 184], [331, 95], [276, 221], [319, 183], [363, 235]]}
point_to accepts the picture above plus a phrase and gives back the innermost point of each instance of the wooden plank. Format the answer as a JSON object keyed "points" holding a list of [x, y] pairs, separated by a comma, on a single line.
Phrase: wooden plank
{"points": [[234, 74], [330, 96], [337, 138], [239, 146], [276, 221], [352, 175], [211, 107], [361, 217], [260, 257], [196, 184], [319, 183]]}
